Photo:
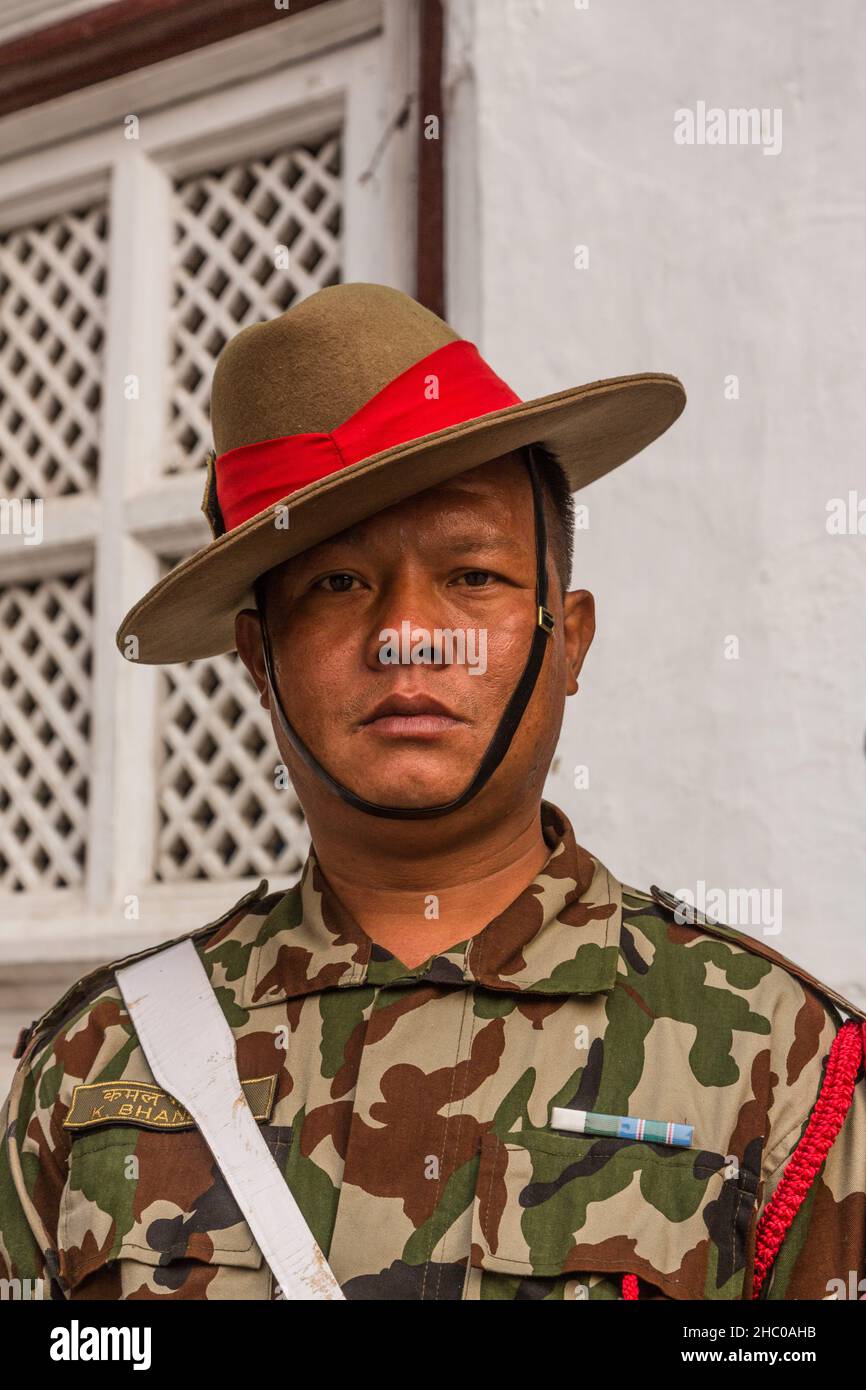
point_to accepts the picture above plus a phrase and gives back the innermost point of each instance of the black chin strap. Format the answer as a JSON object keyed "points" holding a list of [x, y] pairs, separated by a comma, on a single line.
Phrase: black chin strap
{"points": [[511, 715]]}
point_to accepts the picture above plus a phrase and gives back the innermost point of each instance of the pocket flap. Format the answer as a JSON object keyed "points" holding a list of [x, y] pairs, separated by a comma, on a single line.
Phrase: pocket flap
{"points": [[550, 1204], [134, 1194]]}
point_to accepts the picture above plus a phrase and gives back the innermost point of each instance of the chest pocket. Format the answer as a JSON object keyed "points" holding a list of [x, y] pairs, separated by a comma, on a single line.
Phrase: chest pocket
{"points": [[149, 1215], [560, 1216]]}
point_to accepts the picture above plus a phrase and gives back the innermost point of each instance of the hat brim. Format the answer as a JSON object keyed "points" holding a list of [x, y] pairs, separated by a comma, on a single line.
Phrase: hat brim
{"points": [[189, 613]]}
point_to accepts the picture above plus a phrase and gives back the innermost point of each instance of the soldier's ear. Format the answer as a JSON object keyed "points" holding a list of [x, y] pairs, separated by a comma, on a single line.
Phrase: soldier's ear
{"points": [[578, 627], [248, 641]]}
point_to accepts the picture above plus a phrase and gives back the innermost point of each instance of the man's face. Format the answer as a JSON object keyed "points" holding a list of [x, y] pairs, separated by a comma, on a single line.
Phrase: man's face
{"points": [[346, 616]]}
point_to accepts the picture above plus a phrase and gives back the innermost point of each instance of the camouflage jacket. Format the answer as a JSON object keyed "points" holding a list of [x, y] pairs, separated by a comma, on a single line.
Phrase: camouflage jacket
{"points": [[410, 1110]]}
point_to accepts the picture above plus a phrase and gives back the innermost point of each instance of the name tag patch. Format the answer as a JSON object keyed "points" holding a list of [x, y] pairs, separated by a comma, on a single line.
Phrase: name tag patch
{"points": [[149, 1107]]}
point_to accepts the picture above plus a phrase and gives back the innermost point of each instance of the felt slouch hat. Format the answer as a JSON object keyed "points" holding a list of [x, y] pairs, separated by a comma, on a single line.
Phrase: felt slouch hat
{"points": [[352, 400]]}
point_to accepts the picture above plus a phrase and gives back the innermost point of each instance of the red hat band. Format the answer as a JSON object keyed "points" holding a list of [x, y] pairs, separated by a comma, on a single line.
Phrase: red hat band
{"points": [[449, 386]]}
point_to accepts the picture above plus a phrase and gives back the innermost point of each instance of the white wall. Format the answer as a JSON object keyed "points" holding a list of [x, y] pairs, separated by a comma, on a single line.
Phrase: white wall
{"points": [[704, 261]]}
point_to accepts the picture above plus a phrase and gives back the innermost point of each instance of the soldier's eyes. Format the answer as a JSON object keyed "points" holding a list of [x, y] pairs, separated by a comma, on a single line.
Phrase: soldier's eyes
{"points": [[334, 583], [341, 583]]}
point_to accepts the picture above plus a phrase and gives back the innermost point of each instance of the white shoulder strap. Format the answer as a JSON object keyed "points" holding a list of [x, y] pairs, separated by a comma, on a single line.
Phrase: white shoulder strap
{"points": [[191, 1051]]}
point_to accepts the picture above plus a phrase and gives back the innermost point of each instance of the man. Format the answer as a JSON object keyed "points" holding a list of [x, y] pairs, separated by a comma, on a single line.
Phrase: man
{"points": [[484, 1067]]}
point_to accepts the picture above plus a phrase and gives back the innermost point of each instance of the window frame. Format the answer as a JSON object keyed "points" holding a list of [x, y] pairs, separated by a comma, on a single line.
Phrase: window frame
{"points": [[138, 513]]}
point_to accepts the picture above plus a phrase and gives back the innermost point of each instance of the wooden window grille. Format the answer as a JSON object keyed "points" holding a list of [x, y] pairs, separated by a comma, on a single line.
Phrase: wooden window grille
{"points": [[221, 813], [52, 330], [227, 226], [135, 801], [45, 731]]}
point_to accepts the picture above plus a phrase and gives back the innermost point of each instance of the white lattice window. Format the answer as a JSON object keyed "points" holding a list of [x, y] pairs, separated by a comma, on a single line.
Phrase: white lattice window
{"points": [[52, 331], [45, 726], [53, 276], [226, 226], [138, 801], [223, 812]]}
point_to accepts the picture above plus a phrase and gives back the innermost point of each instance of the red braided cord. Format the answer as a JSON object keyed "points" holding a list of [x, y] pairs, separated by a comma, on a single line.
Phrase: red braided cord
{"points": [[629, 1286], [827, 1118], [863, 1039]]}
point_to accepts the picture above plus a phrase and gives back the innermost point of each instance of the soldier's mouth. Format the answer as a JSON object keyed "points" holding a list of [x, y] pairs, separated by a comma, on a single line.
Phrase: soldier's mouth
{"points": [[412, 716]]}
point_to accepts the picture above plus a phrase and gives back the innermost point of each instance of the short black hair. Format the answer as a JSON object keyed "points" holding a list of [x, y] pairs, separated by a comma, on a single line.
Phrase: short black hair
{"points": [[558, 510]]}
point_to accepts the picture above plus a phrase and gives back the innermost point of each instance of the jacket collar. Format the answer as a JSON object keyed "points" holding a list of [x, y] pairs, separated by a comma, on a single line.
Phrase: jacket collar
{"points": [[559, 936]]}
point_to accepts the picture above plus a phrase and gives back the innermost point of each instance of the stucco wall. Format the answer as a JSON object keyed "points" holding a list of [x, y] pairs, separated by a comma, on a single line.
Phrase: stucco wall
{"points": [[707, 261]]}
